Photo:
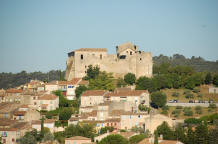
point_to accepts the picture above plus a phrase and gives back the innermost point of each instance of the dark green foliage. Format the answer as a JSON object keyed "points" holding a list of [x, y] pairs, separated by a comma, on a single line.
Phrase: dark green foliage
{"points": [[92, 72], [10, 80], [190, 138], [158, 99], [198, 63], [105, 129], [189, 83], [212, 106], [208, 78], [144, 83], [80, 90], [198, 110], [155, 137], [215, 80], [189, 95], [166, 131], [137, 138], [28, 139], [130, 78], [121, 83], [114, 139], [188, 111], [137, 129], [63, 102], [104, 81], [179, 133], [65, 113], [201, 134], [60, 137], [79, 130], [213, 133], [42, 132], [144, 108], [192, 121]]}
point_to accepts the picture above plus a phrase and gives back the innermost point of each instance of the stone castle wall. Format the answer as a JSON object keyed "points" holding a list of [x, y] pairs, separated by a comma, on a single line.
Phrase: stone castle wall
{"points": [[137, 62]]}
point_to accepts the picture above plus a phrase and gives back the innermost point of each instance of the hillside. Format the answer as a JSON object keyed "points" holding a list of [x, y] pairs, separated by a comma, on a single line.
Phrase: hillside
{"points": [[198, 63]]}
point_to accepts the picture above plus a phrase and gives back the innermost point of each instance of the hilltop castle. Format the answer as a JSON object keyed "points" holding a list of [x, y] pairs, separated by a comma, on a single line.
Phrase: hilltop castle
{"points": [[127, 60]]}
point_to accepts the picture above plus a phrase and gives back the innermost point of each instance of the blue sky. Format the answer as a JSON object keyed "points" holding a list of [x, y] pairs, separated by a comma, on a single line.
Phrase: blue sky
{"points": [[36, 35]]}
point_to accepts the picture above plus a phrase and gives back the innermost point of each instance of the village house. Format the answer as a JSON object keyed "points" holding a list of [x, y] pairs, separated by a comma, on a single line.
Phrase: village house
{"points": [[130, 120], [12, 130], [49, 123], [78, 140], [92, 97], [213, 90], [35, 85], [48, 102], [13, 95], [26, 114], [2, 95], [7, 109]]}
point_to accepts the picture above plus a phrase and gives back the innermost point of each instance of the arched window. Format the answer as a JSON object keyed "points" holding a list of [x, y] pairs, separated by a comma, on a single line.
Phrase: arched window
{"points": [[81, 57]]}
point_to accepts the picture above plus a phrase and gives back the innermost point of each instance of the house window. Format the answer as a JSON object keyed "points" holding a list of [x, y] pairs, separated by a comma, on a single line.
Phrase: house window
{"points": [[34, 98], [34, 103], [4, 134], [135, 47], [81, 57], [100, 56], [139, 116], [13, 140], [140, 58], [130, 53], [6, 115]]}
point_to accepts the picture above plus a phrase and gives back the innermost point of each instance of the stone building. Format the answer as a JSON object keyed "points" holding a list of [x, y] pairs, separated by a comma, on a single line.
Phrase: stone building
{"points": [[128, 59]]}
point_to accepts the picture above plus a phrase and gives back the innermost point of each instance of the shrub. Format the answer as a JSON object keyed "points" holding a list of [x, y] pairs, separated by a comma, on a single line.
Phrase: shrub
{"points": [[176, 112], [186, 92], [198, 109], [212, 106], [188, 111], [196, 90], [189, 95], [200, 95], [130, 78], [175, 94]]}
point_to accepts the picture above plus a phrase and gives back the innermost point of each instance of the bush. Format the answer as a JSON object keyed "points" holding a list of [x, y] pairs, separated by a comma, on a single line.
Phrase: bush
{"points": [[130, 78], [176, 112], [212, 106], [186, 92], [121, 83], [175, 94], [198, 109], [179, 107], [137, 138], [192, 121], [196, 90], [188, 111], [189, 95], [200, 95], [144, 108], [114, 139], [158, 99]]}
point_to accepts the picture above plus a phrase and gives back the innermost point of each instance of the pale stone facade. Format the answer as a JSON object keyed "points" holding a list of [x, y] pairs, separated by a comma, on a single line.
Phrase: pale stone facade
{"points": [[128, 59], [77, 140]]}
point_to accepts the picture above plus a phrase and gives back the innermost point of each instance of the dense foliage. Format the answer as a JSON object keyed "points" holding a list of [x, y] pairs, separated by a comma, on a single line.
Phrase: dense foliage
{"points": [[130, 78], [10, 80], [198, 63], [114, 139], [137, 138], [158, 99]]}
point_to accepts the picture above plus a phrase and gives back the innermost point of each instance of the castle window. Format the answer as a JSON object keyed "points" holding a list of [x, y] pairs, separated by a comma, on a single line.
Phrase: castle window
{"points": [[130, 53], [122, 57], [100, 56], [140, 58], [135, 47], [116, 47], [126, 51], [81, 57]]}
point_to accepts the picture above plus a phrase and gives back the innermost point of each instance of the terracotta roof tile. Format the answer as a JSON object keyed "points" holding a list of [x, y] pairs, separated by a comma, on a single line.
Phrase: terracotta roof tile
{"points": [[20, 113], [14, 91], [94, 93], [48, 97]]}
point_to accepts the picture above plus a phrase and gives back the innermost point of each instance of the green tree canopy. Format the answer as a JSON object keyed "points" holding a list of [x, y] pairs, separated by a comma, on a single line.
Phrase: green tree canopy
{"points": [[158, 99], [80, 90], [130, 78], [114, 139]]}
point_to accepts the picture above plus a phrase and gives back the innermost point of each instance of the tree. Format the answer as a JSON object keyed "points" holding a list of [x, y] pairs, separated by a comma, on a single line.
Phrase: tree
{"points": [[42, 128], [189, 83], [190, 137], [121, 83], [28, 139], [144, 83], [188, 111], [215, 80], [92, 72], [198, 109], [158, 99], [130, 78], [175, 94], [80, 90], [165, 130], [48, 137], [208, 78], [201, 134], [65, 113], [114, 139], [102, 82], [137, 138], [155, 137], [144, 108], [106, 129]]}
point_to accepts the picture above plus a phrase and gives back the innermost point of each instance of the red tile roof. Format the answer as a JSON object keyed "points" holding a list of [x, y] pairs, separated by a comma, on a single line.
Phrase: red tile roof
{"points": [[127, 93], [48, 97], [14, 91], [94, 93]]}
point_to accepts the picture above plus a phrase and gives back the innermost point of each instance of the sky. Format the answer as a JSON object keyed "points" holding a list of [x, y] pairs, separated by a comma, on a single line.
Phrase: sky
{"points": [[36, 35]]}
